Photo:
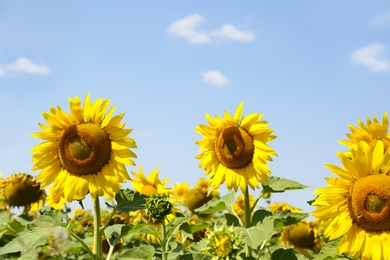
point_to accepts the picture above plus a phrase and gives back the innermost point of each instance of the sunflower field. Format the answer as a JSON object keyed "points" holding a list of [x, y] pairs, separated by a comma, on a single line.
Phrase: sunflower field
{"points": [[85, 154]]}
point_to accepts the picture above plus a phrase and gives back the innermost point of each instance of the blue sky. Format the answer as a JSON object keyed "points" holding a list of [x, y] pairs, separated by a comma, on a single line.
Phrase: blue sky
{"points": [[312, 67]]}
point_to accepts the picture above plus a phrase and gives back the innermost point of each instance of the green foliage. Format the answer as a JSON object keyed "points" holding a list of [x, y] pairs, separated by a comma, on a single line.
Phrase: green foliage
{"points": [[278, 184], [224, 203], [128, 200], [143, 252]]}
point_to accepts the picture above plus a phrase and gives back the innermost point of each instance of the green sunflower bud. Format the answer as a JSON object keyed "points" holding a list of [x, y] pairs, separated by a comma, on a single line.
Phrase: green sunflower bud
{"points": [[158, 206]]}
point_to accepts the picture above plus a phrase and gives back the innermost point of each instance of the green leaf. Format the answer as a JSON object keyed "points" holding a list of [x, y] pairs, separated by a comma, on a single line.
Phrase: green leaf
{"points": [[26, 241], [113, 233], [259, 216], [255, 235], [128, 200], [224, 203], [282, 219], [142, 252], [277, 184], [286, 254], [329, 251]]}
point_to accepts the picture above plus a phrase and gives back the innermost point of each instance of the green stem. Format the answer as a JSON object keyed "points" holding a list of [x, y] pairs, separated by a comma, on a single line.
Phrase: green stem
{"points": [[97, 232], [164, 241], [109, 217], [247, 217], [86, 247]]}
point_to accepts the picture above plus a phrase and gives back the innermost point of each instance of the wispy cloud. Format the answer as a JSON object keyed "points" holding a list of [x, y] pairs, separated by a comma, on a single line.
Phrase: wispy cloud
{"points": [[369, 56], [381, 21], [215, 78], [231, 32], [24, 65], [187, 28]]}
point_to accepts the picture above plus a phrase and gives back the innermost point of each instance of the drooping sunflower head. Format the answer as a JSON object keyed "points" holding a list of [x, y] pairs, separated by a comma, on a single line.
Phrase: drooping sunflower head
{"points": [[370, 133], [22, 190], [149, 185], [235, 150], [223, 243], [357, 205], [83, 151], [303, 236], [195, 199]]}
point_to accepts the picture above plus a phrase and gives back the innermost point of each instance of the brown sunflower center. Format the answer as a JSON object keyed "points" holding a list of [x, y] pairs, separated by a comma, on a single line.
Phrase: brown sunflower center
{"points": [[369, 202], [84, 149], [234, 147]]}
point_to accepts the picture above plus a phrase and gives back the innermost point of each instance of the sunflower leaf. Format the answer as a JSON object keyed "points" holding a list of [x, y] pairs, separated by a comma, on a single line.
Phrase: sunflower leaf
{"points": [[142, 252], [113, 233], [282, 219], [329, 251], [282, 254], [278, 184], [224, 203], [255, 235], [128, 200]]}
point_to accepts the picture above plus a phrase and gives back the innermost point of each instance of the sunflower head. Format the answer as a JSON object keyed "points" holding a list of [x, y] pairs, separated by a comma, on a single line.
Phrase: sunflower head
{"points": [[83, 151], [283, 206], [149, 185], [195, 199], [235, 150], [56, 201], [223, 243], [180, 191], [302, 236], [21, 190], [356, 205], [158, 206], [369, 133]]}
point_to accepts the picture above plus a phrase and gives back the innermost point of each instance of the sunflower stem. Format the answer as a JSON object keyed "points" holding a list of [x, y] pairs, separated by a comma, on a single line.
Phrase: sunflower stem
{"points": [[247, 217], [164, 241], [97, 231], [86, 247]]}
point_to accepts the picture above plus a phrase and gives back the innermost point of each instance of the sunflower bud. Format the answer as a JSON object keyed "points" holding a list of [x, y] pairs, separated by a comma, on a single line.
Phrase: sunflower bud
{"points": [[158, 206]]}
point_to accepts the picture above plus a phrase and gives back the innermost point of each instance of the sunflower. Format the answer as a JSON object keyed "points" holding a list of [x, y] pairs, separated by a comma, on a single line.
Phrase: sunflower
{"points": [[180, 191], [55, 200], [369, 133], [149, 185], [22, 190], [84, 151], [357, 204], [302, 236], [283, 206], [234, 149], [223, 242]]}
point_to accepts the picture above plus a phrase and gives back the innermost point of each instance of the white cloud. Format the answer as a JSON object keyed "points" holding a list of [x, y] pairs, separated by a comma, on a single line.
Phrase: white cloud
{"points": [[368, 56], [215, 78], [2, 73], [24, 65], [381, 21], [187, 28], [231, 32]]}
